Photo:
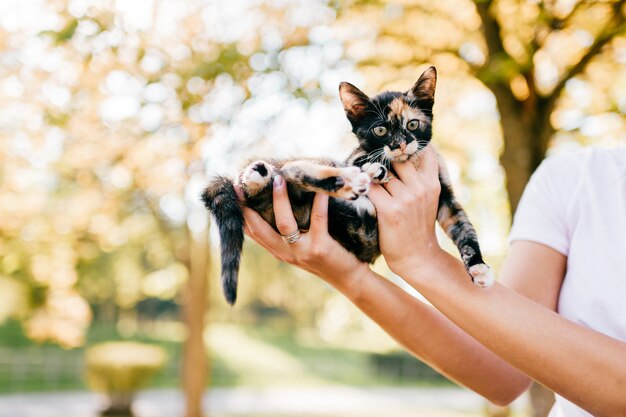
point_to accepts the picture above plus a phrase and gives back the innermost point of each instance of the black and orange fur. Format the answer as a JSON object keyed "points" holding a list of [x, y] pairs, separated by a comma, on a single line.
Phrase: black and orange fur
{"points": [[391, 126]]}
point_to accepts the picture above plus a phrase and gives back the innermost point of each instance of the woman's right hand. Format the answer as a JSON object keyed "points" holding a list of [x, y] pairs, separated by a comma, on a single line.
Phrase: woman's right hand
{"points": [[406, 207], [316, 251]]}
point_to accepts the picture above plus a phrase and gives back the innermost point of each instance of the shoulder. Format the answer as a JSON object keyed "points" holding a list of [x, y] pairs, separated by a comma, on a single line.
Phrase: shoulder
{"points": [[566, 177], [558, 175], [564, 163], [550, 206], [565, 170]]}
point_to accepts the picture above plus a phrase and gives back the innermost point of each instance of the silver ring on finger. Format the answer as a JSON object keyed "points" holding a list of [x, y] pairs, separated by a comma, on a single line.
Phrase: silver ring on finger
{"points": [[292, 237], [388, 179]]}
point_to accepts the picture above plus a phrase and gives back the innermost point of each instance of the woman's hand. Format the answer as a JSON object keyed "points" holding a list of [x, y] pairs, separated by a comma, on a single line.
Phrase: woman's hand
{"points": [[315, 251], [407, 208]]}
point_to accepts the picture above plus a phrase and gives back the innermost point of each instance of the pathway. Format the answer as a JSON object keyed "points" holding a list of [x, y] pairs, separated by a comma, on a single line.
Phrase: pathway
{"points": [[270, 402]]}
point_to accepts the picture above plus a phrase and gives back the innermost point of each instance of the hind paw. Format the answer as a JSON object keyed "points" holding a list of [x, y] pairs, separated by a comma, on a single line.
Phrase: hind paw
{"points": [[256, 176], [482, 275], [376, 171]]}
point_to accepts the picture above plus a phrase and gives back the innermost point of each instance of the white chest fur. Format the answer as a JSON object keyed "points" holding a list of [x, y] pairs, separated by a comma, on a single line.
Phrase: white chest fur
{"points": [[363, 205]]}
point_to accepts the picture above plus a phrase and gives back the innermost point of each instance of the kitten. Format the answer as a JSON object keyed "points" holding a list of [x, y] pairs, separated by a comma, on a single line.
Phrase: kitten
{"points": [[391, 126]]}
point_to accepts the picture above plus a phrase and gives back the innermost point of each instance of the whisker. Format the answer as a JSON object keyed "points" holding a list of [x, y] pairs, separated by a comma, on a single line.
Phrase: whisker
{"points": [[371, 156], [375, 111], [373, 103], [374, 156], [373, 123], [380, 111]]}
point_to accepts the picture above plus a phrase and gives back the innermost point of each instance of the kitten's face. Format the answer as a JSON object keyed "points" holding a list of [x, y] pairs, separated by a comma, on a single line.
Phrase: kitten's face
{"points": [[392, 126]]}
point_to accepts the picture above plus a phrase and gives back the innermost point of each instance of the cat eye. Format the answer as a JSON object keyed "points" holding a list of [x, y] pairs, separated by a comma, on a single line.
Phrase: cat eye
{"points": [[413, 124], [380, 130]]}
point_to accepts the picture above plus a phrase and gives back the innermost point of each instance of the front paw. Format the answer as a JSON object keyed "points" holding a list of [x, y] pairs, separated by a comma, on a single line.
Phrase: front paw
{"points": [[376, 171], [354, 183]]}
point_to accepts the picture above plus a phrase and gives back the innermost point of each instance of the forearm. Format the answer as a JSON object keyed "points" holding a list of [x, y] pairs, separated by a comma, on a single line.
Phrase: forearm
{"points": [[433, 338], [580, 364]]}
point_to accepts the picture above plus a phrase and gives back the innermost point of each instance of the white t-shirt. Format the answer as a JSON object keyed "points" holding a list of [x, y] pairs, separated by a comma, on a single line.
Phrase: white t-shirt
{"points": [[576, 204]]}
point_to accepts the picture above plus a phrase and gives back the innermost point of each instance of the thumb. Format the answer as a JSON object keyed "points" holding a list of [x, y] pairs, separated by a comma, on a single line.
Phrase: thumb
{"points": [[319, 216], [429, 165]]}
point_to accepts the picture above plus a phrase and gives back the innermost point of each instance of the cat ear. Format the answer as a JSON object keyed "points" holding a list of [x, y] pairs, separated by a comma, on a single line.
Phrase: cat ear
{"points": [[423, 92], [354, 100]]}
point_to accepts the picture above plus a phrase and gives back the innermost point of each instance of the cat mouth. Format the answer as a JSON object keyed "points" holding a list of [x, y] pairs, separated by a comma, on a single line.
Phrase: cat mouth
{"points": [[402, 155]]}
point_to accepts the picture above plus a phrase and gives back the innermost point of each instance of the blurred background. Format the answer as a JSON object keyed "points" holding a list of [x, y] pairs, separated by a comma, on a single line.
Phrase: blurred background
{"points": [[115, 113]]}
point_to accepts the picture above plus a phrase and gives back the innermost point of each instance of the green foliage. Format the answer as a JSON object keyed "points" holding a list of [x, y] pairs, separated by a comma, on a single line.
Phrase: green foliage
{"points": [[64, 34], [229, 61], [103, 160]]}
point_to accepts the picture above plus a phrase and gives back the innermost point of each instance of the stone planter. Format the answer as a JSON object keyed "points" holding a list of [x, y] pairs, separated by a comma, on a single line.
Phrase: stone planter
{"points": [[119, 370]]}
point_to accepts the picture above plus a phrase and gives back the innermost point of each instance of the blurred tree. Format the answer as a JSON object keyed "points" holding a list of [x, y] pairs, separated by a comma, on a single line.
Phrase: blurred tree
{"points": [[108, 108], [533, 50], [525, 53]]}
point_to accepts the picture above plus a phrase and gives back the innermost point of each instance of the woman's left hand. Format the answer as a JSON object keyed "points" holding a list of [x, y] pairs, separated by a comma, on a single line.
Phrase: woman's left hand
{"points": [[316, 251]]}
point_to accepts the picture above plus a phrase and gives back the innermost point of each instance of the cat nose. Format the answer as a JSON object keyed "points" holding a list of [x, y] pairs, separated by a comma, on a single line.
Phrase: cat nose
{"points": [[402, 146]]}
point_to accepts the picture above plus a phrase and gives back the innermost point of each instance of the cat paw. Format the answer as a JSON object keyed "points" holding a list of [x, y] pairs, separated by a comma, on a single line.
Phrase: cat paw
{"points": [[482, 275], [353, 183], [256, 176], [376, 171]]}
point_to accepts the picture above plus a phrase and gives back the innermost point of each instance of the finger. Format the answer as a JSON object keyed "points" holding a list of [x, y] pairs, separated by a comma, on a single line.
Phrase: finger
{"points": [[379, 196], [271, 250], [319, 216], [262, 233], [257, 226], [429, 164], [285, 221], [406, 171], [252, 236], [394, 186]]}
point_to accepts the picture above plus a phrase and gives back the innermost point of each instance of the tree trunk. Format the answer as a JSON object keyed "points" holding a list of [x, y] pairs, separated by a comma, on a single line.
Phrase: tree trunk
{"points": [[516, 159], [525, 140], [195, 362], [526, 130]]}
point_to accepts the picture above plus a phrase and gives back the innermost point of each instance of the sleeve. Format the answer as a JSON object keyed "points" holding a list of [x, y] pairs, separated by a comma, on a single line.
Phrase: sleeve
{"points": [[542, 213]]}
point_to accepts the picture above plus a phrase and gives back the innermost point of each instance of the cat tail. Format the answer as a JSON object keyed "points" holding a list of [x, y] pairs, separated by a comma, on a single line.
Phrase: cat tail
{"points": [[221, 200]]}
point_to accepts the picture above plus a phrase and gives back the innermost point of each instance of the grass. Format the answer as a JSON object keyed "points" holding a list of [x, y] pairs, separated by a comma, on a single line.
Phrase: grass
{"points": [[250, 356], [260, 356]]}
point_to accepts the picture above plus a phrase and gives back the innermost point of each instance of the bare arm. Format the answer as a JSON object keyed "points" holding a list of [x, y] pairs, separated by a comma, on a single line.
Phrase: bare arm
{"points": [[582, 365], [421, 329], [433, 338]]}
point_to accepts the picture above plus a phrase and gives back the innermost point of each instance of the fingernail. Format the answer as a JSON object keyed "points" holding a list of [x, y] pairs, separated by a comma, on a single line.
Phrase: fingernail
{"points": [[278, 181]]}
